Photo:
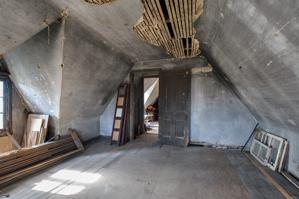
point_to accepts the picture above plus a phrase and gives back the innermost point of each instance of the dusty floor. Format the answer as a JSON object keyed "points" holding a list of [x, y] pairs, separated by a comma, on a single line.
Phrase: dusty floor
{"points": [[145, 170]]}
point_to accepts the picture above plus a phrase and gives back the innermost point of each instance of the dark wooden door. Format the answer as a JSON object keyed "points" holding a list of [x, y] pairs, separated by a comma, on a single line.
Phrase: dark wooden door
{"points": [[174, 107]]}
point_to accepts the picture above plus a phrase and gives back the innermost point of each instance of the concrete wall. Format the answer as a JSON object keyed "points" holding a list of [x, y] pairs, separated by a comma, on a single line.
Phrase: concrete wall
{"points": [[20, 20], [256, 45], [217, 116], [91, 74], [106, 121], [19, 115], [69, 74], [35, 69]]}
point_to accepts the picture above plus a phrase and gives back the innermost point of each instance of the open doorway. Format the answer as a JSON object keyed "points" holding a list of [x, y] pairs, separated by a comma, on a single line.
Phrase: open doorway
{"points": [[151, 105]]}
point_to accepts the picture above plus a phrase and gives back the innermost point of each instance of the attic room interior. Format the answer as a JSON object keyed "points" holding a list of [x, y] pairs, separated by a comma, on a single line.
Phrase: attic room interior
{"points": [[149, 99]]}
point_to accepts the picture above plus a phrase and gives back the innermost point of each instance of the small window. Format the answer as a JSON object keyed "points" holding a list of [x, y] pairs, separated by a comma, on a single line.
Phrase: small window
{"points": [[2, 105], [5, 105]]}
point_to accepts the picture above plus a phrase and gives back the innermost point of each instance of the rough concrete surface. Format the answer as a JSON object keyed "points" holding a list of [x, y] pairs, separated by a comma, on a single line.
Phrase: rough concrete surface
{"points": [[21, 19], [19, 114], [91, 74], [35, 69], [107, 117], [256, 44], [217, 116]]}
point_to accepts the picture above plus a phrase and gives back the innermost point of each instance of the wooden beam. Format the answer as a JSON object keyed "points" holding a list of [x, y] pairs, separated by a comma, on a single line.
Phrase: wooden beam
{"points": [[76, 139], [164, 64]]}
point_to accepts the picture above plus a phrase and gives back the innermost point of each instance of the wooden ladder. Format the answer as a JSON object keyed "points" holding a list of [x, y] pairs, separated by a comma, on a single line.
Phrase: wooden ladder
{"points": [[121, 114]]}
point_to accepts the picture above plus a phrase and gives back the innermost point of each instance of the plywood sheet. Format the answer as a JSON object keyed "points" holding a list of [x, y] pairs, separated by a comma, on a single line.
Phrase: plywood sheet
{"points": [[117, 124], [120, 101]]}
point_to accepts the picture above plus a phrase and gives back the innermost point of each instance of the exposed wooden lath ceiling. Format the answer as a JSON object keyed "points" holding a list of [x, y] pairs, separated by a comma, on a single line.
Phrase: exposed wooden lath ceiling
{"points": [[99, 2], [169, 24]]}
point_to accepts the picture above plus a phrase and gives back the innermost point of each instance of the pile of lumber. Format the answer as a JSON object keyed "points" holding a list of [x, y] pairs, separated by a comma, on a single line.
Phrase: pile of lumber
{"points": [[16, 164], [36, 130]]}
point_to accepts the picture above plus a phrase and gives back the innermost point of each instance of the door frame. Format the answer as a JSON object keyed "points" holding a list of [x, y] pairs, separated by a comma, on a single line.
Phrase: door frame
{"points": [[136, 100], [136, 108]]}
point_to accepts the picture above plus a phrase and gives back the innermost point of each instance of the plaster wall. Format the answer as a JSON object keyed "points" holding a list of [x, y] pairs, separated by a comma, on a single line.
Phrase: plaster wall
{"points": [[217, 116], [35, 70], [91, 74]]}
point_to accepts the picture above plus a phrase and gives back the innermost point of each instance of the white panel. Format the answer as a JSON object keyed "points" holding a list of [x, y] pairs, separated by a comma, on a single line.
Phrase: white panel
{"points": [[1, 105], [1, 121], [119, 112], [1, 88]]}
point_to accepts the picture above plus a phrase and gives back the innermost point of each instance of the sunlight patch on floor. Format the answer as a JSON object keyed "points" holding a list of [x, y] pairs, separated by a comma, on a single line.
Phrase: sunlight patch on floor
{"points": [[67, 182]]}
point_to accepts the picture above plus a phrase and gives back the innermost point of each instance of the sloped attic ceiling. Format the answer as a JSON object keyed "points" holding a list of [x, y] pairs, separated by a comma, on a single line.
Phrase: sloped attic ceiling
{"points": [[20, 20]]}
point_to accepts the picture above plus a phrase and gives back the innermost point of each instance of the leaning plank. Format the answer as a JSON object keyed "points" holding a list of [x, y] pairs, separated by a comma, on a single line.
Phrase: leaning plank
{"points": [[12, 139], [12, 177], [76, 139]]}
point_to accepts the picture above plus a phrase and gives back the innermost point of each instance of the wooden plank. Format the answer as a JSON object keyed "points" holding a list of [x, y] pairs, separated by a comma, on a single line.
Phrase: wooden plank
{"points": [[183, 18], [12, 139], [77, 140], [178, 17], [172, 18]]}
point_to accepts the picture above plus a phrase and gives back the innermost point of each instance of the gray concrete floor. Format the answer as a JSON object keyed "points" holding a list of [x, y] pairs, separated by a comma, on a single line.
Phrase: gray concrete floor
{"points": [[144, 169]]}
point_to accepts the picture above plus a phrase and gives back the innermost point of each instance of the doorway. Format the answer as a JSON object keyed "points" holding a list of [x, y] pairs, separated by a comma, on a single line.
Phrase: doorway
{"points": [[151, 105]]}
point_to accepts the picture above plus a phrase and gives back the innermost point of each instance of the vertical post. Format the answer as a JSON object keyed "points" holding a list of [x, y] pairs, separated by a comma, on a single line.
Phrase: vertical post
{"points": [[132, 107]]}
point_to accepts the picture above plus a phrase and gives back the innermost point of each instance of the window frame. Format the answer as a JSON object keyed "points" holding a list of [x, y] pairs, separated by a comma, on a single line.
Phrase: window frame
{"points": [[7, 104]]}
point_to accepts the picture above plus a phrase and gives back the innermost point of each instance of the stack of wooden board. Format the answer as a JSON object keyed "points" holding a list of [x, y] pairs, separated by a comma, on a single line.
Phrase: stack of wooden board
{"points": [[15, 165], [36, 130]]}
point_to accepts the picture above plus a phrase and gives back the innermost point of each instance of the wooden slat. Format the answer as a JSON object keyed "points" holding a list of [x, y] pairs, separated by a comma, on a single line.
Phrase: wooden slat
{"points": [[153, 27], [77, 140]]}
